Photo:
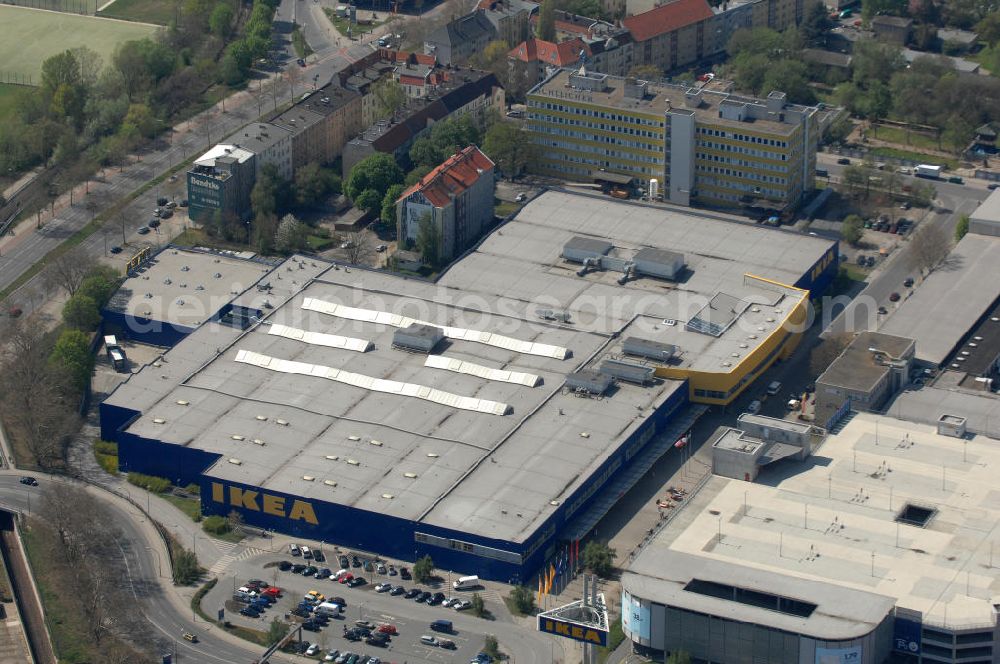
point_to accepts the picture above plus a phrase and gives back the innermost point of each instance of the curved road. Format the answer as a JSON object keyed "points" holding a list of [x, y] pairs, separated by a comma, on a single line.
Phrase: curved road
{"points": [[169, 614]]}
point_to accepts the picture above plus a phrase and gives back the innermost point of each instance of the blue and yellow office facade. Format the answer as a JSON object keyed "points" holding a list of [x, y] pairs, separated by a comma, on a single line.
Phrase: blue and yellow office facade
{"points": [[390, 536]]}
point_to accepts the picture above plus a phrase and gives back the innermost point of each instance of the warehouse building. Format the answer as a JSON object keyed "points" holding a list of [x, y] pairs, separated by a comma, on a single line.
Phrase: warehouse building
{"points": [[703, 147], [481, 419], [879, 549]]}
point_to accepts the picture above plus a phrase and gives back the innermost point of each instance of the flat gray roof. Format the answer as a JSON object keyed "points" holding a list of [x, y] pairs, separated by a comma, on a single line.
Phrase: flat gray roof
{"points": [[989, 210], [830, 519], [185, 287], [856, 368], [950, 301], [981, 410], [345, 441]]}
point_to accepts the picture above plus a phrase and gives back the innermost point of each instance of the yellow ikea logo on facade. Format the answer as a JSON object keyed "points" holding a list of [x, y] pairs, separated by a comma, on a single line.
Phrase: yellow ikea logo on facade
{"points": [[572, 631], [257, 501]]}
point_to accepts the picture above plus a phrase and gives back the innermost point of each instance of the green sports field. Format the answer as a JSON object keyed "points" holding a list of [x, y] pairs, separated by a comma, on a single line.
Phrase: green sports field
{"points": [[29, 36]]}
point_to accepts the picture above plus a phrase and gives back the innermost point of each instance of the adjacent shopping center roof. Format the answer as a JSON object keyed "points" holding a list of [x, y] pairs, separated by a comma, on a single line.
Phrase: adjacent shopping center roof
{"points": [[836, 534], [186, 287], [951, 300], [321, 400]]}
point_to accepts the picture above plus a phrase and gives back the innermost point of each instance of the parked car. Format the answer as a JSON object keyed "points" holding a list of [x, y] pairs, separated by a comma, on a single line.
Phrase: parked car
{"points": [[161, 201], [908, 282], [297, 568], [355, 561], [357, 581], [30, 481], [380, 568], [383, 587], [412, 592], [319, 556], [754, 407], [843, 161], [171, 205], [422, 597], [154, 223], [331, 655], [894, 297], [346, 578], [300, 62], [143, 230], [115, 249], [774, 387], [428, 640], [249, 612], [184, 202], [397, 590], [520, 198], [166, 214], [344, 562], [388, 628], [462, 605], [294, 550], [437, 598], [447, 644], [302, 647], [404, 573], [309, 571], [992, 185]]}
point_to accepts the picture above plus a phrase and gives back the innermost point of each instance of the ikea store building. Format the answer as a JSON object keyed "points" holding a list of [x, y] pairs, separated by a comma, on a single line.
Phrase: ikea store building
{"points": [[482, 419]]}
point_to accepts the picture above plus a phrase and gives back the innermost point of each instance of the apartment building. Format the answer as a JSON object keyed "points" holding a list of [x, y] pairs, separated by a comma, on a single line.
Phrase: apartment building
{"points": [[458, 196], [460, 39], [602, 47], [321, 123], [703, 147], [510, 18], [673, 35], [270, 143]]}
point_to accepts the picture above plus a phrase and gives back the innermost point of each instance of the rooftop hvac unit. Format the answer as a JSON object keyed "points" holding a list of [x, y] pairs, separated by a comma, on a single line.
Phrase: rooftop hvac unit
{"points": [[653, 350], [417, 338], [588, 382], [627, 371], [659, 263], [580, 248]]}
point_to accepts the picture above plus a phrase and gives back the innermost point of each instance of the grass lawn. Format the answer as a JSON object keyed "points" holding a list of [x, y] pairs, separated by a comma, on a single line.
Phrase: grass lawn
{"points": [[143, 11], [9, 94], [898, 135], [343, 23], [29, 36], [197, 237], [503, 208], [919, 157], [854, 272], [190, 506]]}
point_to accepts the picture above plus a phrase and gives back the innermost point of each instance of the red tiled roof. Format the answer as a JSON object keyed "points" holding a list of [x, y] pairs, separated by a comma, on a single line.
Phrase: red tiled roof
{"points": [[667, 18], [563, 54], [405, 79], [458, 172]]}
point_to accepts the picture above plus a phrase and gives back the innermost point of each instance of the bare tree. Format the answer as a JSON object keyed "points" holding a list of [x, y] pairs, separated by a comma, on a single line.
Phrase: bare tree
{"points": [[359, 246], [928, 247], [69, 270], [828, 350], [36, 396]]}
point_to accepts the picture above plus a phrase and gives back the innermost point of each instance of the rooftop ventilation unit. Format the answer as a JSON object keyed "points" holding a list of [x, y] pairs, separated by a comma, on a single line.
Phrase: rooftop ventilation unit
{"points": [[652, 350], [659, 263], [580, 248], [627, 371], [588, 382], [417, 338]]}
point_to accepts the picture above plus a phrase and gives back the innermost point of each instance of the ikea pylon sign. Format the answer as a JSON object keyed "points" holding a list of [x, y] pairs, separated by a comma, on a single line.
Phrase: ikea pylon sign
{"points": [[571, 630]]}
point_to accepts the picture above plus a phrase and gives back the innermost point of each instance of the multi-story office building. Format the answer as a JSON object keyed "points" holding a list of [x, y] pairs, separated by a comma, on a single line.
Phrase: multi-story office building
{"points": [[703, 147]]}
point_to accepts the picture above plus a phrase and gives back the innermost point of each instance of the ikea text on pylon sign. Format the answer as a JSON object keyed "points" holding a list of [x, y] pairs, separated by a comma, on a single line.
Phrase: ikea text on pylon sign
{"points": [[257, 501], [573, 631]]}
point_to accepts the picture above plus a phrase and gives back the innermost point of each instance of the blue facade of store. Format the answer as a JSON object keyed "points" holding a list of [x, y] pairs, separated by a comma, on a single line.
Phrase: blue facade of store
{"points": [[348, 526]]}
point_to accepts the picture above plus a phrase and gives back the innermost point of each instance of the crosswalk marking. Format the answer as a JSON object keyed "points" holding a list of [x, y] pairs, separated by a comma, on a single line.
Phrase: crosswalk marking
{"points": [[221, 564]]}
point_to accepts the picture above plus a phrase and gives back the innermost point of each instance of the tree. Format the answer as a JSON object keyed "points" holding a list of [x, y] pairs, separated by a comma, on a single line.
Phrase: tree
{"points": [[852, 229], [491, 647], [872, 8], [988, 29], [815, 24], [81, 312], [186, 568], [100, 285], [389, 97], [824, 353], [221, 20], [962, 227], [523, 599], [423, 570], [598, 557], [388, 214], [378, 172], [140, 117], [928, 247], [314, 183], [478, 606], [923, 194], [359, 246], [428, 244], [416, 175], [547, 21], [276, 631], [838, 130], [370, 200], [291, 235], [509, 146], [69, 270], [646, 72], [71, 354]]}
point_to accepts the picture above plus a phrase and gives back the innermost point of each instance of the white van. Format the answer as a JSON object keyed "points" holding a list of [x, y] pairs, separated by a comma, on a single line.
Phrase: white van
{"points": [[774, 388], [467, 582], [329, 609], [306, 553]]}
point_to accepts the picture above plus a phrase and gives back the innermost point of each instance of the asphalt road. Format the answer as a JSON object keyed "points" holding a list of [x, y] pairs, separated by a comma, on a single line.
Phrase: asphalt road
{"points": [[952, 201]]}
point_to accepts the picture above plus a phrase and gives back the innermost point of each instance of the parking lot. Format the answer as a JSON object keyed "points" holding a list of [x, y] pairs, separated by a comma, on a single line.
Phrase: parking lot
{"points": [[362, 604]]}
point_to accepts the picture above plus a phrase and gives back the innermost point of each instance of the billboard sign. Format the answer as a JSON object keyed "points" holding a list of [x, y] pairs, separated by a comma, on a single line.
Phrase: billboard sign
{"points": [[850, 655], [573, 630], [635, 616], [906, 636]]}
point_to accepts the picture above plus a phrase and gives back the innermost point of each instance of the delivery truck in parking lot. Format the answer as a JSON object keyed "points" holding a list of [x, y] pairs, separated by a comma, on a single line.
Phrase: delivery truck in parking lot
{"points": [[927, 171]]}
